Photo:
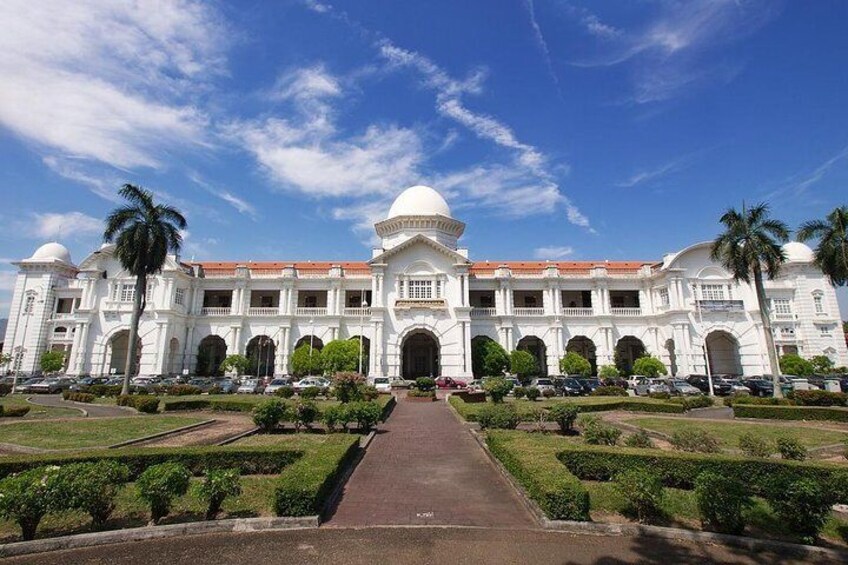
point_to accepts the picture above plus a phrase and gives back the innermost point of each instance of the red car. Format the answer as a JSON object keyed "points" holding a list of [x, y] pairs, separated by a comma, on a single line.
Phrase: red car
{"points": [[447, 382]]}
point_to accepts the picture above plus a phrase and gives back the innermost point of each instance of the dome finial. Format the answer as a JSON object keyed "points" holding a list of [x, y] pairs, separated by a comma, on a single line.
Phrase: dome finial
{"points": [[419, 200]]}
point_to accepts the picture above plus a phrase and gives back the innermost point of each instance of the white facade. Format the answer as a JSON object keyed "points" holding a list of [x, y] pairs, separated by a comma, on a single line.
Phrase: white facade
{"points": [[426, 301]]}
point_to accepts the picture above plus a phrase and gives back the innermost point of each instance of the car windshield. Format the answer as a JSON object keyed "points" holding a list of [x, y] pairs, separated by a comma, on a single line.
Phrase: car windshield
{"points": [[545, 382], [679, 383], [278, 382], [381, 381], [571, 382]]}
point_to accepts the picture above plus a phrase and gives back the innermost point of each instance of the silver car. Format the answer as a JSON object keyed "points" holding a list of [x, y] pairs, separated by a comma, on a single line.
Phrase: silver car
{"points": [[651, 386], [680, 386], [543, 384]]}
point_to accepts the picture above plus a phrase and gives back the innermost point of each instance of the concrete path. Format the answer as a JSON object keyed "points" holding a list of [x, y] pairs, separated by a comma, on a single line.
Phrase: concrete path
{"points": [[406, 545], [94, 410], [423, 467], [224, 427]]}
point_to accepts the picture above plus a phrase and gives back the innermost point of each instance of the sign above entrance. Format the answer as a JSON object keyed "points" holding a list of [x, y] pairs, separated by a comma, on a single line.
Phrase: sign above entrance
{"points": [[427, 304]]}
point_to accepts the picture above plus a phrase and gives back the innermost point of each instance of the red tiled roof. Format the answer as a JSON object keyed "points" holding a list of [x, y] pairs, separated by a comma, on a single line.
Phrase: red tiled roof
{"points": [[314, 265]]}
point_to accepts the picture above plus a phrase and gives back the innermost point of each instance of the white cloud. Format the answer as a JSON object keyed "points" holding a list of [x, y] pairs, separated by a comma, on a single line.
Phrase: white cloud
{"points": [[539, 37], [237, 202], [64, 225], [109, 82], [553, 252], [644, 176], [310, 83]]}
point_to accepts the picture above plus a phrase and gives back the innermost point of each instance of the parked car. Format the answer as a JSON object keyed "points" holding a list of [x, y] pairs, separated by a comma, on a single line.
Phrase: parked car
{"points": [[86, 382], [307, 382], [679, 386], [52, 385], [275, 385], [567, 386], [589, 384], [646, 386], [701, 382], [115, 381], [544, 384], [615, 381], [203, 384], [737, 386], [146, 384], [634, 380], [250, 386], [759, 386], [448, 382], [383, 384], [227, 386], [475, 385]]}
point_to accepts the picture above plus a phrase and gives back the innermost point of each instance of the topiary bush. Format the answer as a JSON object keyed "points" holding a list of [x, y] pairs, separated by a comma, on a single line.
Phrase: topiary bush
{"points": [[498, 416], [182, 390], [598, 432], [819, 398], [823, 413], [425, 383], [659, 395], [347, 386], [310, 393], [286, 391], [721, 501], [564, 414], [27, 496], [803, 506], [305, 413], [91, 488], [575, 364], [146, 404], [791, 448], [14, 411], [497, 388], [335, 417], [609, 391], [692, 402], [519, 392], [643, 491], [217, 486], [159, 485], [640, 439], [649, 366], [531, 393], [268, 414], [695, 440], [755, 446], [83, 397]]}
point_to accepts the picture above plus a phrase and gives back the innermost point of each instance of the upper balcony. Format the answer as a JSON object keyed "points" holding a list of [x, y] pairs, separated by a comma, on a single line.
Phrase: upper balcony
{"points": [[480, 312], [528, 311]]}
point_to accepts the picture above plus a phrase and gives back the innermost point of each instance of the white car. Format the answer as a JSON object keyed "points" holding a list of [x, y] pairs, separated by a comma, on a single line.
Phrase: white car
{"points": [[276, 385], [543, 384], [250, 386], [383, 384], [320, 382]]}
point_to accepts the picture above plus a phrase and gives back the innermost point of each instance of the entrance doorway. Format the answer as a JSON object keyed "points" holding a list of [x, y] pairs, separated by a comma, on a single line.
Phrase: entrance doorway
{"points": [[420, 355]]}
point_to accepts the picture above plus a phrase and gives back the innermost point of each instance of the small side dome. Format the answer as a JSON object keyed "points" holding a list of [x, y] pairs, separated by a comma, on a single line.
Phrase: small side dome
{"points": [[419, 201], [797, 252], [52, 251]]}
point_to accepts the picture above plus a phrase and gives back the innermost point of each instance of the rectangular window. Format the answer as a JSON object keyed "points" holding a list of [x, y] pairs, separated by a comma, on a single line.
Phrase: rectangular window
{"points": [[787, 332], [663, 295], [179, 297], [127, 293], [825, 331], [818, 303], [420, 290], [781, 305], [712, 292]]}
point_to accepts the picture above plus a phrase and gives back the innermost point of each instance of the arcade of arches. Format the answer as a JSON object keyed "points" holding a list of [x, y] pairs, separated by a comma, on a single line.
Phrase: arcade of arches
{"points": [[312, 340], [420, 355], [535, 347], [210, 354], [585, 347]]}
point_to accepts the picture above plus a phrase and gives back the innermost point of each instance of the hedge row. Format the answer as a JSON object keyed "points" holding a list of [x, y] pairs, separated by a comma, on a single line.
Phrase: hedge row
{"points": [[304, 487], [261, 460], [679, 470], [557, 492], [790, 412], [469, 410], [235, 405], [13, 411]]}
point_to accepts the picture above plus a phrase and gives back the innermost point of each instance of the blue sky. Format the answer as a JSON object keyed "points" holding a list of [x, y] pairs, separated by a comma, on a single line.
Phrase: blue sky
{"points": [[556, 129]]}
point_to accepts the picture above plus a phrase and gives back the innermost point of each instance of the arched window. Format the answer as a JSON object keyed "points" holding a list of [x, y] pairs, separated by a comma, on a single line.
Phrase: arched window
{"points": [[818, 302]]}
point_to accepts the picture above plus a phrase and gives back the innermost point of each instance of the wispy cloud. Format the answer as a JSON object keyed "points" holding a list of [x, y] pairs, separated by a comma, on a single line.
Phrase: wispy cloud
{"points": [[237, 202], [539, 37], [645, 176], [799, 184], [65, 225], [554, 252]]}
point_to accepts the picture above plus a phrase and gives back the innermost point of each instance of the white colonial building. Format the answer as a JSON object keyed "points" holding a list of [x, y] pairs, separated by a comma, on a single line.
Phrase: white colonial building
{"points": [[419, 303]]}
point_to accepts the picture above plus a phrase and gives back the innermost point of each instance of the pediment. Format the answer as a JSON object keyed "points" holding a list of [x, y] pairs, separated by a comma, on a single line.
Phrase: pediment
{"points": [[420, 240]]}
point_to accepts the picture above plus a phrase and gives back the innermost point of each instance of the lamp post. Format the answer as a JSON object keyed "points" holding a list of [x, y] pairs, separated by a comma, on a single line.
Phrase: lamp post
{"points": [[361, 331], [311, 341]]}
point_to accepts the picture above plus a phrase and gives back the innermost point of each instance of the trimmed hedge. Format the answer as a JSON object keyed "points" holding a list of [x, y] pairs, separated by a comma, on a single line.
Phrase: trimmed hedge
{"points": [[13, 411], [255, 460], [303, 487], [84, 397], [195, 404], [558, 493], [230, 405], [680, 470], [832, 414], [469, 411]]}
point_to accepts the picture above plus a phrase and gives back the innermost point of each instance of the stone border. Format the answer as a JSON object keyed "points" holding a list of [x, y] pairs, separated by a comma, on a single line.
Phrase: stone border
{"points": [[333, 500], [72, 407], [633, 530], [237, 525], [163, 434], [237, 437]]}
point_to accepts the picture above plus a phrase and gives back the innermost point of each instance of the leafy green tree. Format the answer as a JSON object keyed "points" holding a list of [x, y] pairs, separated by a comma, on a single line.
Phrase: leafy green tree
{"points": [[649, 366], [831, 253], [302, 363], [608, 372], [750, 248], [488, 358], [497, 388], [575, 364], [52, 361], [340, 355], [143, 232], [792, 364], [522, 364], [5, 359], [238, 363], [822, 364]]}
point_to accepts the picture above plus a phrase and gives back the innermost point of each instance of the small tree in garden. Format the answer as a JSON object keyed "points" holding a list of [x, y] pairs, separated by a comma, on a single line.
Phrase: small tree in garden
{"points": [[340, 355], [822, 364], [531, 393], [27, 496], [347, 386], [425, 384], [497, 388], [649, 366], [608, 372], [721, 500], [302, 363], [92, 487], [365, 414], [267, 415], [217, 486], [488, 358], [564, 414], [575, 364], [52, 361], [238, 363], [523, 364], [159, 485], [803, 506], [305, 413], [796, 365], [643, 491]]}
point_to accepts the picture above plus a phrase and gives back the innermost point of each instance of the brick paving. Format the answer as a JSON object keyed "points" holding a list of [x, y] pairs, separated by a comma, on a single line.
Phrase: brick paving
{"points": [[424, 468]]}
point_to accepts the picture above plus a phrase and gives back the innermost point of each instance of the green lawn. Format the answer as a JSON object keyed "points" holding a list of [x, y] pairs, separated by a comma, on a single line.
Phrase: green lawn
{"points": [[36, 412], [294, 441], [98, 432], [729, 432]]}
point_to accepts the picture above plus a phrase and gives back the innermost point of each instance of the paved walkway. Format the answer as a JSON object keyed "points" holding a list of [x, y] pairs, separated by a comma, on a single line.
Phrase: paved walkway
{"points": [[423, 467], [94, 410]]}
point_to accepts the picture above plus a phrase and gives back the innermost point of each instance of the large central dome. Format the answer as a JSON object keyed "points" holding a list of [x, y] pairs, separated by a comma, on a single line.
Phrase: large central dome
{"points": [[419, 201]]}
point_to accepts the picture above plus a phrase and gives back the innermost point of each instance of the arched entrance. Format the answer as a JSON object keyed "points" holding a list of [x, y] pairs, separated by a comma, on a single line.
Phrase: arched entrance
{"points": [[366, 351], [260, 352], [210, 354], [535, 347], [174, 362], [312, 340], [627, 350], [672, 356], [119, 345], [723, 353], [585, 347], [420, 355]]}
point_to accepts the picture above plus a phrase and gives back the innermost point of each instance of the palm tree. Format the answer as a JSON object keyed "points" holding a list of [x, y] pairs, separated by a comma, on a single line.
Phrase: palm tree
{"points": [[749, 247], [832, 250], [143, 232]]}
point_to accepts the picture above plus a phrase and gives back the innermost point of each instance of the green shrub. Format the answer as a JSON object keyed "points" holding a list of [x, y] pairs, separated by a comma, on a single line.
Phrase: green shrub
{"points": [[608, 372], [488, 358], [791, 448], [575, 364], [182, 390], [268, 414], [175, 405], [310, 393], [415, 393], [523, 364], [721, 501], [792, 364], [755, 446], [832, 414], [237, 363], [305, 413], [26, 497], [369, 392], [105, 390], [305, 361], [695, 440], [14, 411], [659, 395], [159, 485], [649, 366], [640, 439], [217, 485], [819, 398], [548, 393], [643, 491], [498, 416], [91, 488], [531, 393], [598, 432], [609, 390], [347, 386], [146, 404], [564, 414], [803, 506], [692, 402], [5, 389], [342, 355], [366, 414], [497, 388], [286, 391], [425, 383], [519, 392], [337, 416], [73, 396]]}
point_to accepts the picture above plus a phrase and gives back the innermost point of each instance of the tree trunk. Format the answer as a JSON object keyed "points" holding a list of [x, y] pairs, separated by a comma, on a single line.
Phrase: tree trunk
{"points": [[765, 316], [138, 308]]}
